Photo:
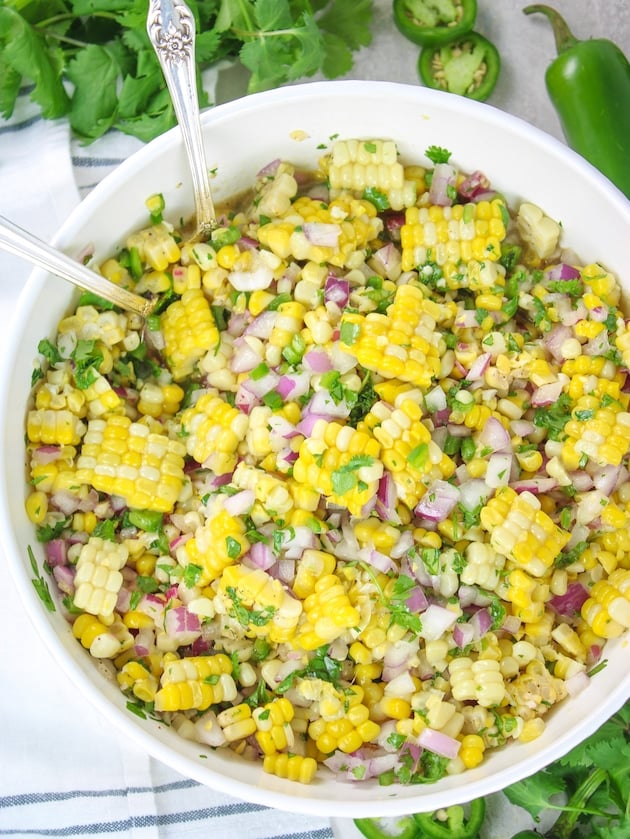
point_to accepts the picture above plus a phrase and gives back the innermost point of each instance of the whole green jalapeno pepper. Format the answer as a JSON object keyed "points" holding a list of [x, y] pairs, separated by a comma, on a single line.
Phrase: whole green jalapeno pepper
{"points": [[468, 66], [456, 825], [396, 827], [589, 86], [434, 22]]}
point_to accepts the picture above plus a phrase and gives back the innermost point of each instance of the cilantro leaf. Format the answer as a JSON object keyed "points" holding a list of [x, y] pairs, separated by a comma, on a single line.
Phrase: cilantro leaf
{"points": [[27, 53], [94, 73], [533, 793], [437, 154]]}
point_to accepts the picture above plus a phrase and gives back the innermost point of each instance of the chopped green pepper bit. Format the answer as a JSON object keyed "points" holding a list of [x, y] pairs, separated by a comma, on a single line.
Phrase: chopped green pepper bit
{"points": [[434, 22]]}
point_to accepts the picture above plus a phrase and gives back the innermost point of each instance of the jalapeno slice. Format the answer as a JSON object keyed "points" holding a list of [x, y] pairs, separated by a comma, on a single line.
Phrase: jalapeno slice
{"points": [[456, 825], [396, 827], [434, 22], [468, 66]]}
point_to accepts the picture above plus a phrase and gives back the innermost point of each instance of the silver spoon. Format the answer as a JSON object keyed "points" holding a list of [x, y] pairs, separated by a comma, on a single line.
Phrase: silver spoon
{"points": [[171, 30], [20, 242]]}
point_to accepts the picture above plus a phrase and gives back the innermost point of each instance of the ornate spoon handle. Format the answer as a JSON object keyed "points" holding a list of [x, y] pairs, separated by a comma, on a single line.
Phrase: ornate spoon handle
{"points": [[171, 29]]}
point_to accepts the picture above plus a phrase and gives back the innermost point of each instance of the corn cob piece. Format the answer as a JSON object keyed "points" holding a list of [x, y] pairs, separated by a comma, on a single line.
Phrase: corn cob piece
{"points": [[483, 566], [156, 400], [213, 431], [156, 246], [88, 324], [313, 565], [196, 683], [344, 723], [340, 463], [328, 614], [98, 579], [600, 434], [134, 677], [260, 594], [125, 458], [237, 722], [479, 680], [52, 427], [103, 641], [189, 332], [607, 610], [272, 493], [538, 230], [407, 449], [102, 399], [273, 722], [347, 225], [292, 767], [527, 595], [217, 543], [356, 165], [399, 345], [452, 236], [534, 691], [521, 531]]}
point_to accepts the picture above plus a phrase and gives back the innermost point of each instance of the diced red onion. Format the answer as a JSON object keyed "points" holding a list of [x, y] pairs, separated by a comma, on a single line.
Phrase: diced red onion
{"points": [[571, 602], [322, 234], [521, 427], [444, 176], [439, 743], [342, 361], [323, 403], [64, 577], [286, 570], [582, 481], [494, 436], [46, 454], [475, 183], [511, 624], [481, 623], [536, 486], [376, 559], [56, 551], [438, 501], [563, 271], [417, 600], [336, 290], [308, 422], [262, 386], [182, 625], [396, 657], [389, 256], [65, 501], [269, 169], [574, 315], [547, 394], [178, 541], [221, 480], [245, 356], [238, 323], [386, 498], [465, 319], [499, 469], [436, 620], [262, 325], [479, 367], [435, 400], [404, 544], [301, 538], [554, 340], [239, 503], [318, 361], [463, 634]]}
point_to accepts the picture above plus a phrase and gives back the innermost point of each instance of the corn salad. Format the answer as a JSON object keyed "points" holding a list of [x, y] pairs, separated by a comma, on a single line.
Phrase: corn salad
{"points": [[360, 499]]}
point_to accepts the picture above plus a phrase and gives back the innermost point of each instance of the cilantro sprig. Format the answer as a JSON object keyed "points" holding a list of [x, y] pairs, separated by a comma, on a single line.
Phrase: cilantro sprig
{"points": [[91, 60]]}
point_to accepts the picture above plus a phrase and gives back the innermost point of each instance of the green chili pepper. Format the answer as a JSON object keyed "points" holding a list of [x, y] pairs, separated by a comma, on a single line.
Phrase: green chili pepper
{"points": [[434, 22], [396, 827], [589, 86], [527, 834], [468, 66], [456, 825]]}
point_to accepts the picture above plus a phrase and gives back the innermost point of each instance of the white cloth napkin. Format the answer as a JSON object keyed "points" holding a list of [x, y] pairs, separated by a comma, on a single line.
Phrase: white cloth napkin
{"points": [[63, 772]]}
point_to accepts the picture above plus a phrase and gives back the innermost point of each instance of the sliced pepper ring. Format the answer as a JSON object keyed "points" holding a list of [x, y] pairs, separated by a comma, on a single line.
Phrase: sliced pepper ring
{"points": [[395, 827], [468, 66], [456, 825], [434, 22]]}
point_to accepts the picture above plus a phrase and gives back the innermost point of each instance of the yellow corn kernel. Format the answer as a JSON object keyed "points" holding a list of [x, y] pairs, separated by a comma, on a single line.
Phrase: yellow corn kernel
{"points": [[472, 750], [37, 506], [532, 729]]}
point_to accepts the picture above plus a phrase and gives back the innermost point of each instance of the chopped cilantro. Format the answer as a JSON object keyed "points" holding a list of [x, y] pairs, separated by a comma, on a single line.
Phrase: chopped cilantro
{"points": [[345, 478], [437, 154]]}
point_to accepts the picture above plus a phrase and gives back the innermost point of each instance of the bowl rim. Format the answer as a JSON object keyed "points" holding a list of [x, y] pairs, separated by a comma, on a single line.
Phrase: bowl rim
{"points": [[127, 723]]}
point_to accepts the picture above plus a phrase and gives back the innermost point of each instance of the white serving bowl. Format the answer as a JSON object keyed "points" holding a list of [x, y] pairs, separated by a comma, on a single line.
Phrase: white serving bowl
{"points": [[241, 137]]}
